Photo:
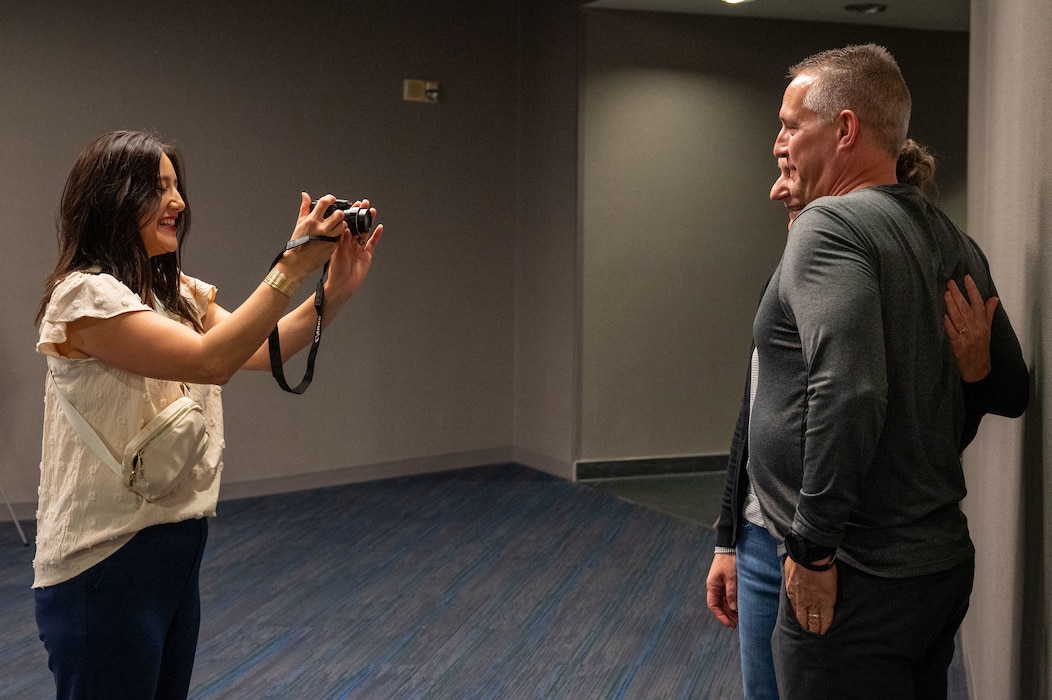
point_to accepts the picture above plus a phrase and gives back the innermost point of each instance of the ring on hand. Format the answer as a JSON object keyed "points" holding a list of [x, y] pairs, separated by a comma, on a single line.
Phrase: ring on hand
{"points": [[962, 330], [814, 614]]}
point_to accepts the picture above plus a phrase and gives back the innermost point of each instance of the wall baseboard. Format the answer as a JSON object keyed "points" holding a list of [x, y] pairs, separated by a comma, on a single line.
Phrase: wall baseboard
{"points": [[650, 466], [250, 488], [580, 471], [369, 472], [535, 460], [25, 512]]}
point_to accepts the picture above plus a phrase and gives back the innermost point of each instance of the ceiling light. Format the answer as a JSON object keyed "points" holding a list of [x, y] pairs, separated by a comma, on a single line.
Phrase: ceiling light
{"points": [[865, 8], [736, 2]]}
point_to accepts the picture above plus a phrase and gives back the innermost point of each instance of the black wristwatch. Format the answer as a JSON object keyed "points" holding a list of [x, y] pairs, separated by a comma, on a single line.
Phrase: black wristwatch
{"points": [[805, 553]]}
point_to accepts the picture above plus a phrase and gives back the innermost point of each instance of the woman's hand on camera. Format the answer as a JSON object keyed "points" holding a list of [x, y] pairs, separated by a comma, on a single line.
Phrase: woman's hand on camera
{"points": [[351, 260], [303, 259]]}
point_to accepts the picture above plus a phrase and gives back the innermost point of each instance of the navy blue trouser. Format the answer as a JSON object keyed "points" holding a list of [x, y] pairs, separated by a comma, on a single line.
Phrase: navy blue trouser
{"points": [[127, 627], [890, 638]]}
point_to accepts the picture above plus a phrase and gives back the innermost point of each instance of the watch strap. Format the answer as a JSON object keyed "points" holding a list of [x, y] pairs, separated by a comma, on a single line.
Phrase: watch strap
{"points": [[810, 566]]}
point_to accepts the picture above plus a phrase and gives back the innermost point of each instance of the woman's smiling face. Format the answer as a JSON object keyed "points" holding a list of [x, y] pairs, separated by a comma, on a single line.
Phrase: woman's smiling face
{"points": [[781, 192], [158, 229]]}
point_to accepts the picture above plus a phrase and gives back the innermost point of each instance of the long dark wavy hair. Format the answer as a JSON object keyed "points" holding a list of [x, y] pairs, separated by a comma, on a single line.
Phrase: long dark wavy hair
{"points": [[114, 184]]}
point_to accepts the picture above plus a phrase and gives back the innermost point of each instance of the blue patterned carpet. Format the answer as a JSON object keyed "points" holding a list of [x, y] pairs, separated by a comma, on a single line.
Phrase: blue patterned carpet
{"points": [[496, 582]]}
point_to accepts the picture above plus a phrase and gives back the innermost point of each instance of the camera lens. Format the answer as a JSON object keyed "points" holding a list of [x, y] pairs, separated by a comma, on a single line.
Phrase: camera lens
{"points": [[359, 220]]}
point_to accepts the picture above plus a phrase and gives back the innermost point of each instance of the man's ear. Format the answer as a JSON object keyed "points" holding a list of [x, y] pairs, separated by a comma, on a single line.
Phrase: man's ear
{"points": [[847, 129]]}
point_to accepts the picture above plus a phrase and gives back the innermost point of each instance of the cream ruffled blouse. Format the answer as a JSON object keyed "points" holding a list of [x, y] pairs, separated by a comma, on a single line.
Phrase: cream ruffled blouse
{"points": [[84, 512]]}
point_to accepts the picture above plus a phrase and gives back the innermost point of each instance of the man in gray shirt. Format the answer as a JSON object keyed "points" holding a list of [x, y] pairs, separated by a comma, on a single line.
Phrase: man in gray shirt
{"points": [[859, 406]]}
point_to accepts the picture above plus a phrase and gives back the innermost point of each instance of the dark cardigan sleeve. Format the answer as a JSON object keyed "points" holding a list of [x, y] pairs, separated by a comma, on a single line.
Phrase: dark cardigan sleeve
{"points": [[737, 479], [1003, 392]]}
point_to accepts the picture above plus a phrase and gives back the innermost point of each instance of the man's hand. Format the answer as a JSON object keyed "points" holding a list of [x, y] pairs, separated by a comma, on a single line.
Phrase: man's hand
{"points": [[812, 595], [722, 586]]}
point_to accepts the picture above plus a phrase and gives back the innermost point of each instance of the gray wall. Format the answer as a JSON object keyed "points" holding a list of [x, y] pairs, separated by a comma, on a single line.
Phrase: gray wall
{"points": [[679, 236], [546, 276], [532, 300], [1006, 635], [419, 371]]}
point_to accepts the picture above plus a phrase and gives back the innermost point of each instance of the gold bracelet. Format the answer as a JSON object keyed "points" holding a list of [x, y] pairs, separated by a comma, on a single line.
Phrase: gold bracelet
{"points": [[281, 282]]}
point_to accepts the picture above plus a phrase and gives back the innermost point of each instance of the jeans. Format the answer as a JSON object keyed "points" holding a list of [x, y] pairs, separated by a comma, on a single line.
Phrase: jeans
{"points": [[759, 590], [890, 638], [127, 627]]}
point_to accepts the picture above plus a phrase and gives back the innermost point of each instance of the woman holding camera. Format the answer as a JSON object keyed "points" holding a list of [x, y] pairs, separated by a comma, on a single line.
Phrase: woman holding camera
{"points": [[126, 333]]}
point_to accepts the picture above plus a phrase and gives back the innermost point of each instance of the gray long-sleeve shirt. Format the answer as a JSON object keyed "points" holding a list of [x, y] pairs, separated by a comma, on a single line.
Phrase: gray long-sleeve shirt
{"points": [[859, 407]]}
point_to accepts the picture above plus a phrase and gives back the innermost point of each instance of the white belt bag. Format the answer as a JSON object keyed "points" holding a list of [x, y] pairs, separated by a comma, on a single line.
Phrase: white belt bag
{"points": [[160, 456]]}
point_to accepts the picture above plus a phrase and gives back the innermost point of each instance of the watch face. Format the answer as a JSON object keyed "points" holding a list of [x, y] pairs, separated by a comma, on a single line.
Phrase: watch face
{"points": [[801, 551]]}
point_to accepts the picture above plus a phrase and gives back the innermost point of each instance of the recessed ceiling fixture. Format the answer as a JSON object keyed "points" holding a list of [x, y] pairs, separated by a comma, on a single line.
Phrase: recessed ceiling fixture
{"points": [[736, 2], [866, 8]]}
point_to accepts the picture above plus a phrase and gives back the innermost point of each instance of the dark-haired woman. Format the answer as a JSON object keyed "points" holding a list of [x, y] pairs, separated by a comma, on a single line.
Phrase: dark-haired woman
{"points": [[126, 333]]}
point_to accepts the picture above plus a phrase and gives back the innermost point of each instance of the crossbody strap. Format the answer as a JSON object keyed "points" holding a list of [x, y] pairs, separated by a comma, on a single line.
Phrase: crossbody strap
{"points": [[87, 433], [274, 342]]}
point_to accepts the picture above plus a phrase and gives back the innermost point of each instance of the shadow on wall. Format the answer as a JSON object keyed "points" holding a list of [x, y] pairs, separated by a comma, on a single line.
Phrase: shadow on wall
{"points": [[1036, 675]]}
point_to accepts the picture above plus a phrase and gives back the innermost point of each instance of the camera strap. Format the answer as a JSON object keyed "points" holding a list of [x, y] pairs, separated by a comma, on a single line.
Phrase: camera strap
{"points": [[274, 342]]}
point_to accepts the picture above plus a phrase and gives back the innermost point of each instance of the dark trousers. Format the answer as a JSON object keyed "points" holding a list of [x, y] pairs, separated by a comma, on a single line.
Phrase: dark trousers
{"points": [[127, 627], [890, 638]]}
